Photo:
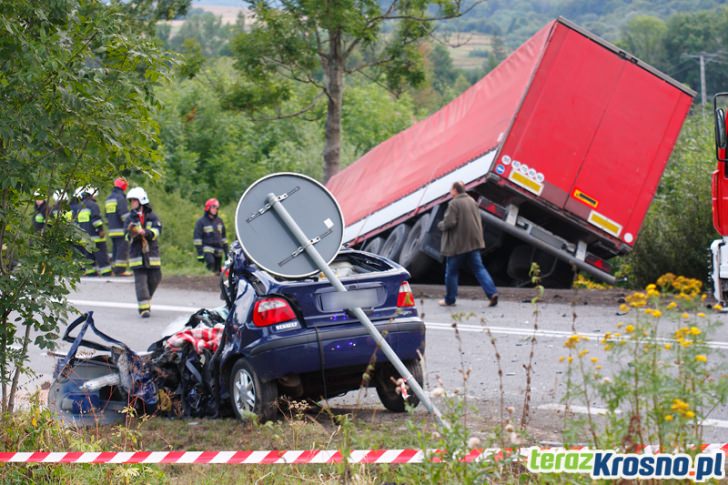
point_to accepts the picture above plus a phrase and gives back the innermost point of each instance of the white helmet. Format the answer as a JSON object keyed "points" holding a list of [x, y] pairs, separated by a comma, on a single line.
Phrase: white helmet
{"points": [[86, 189], [59, 195], [139, 194]]}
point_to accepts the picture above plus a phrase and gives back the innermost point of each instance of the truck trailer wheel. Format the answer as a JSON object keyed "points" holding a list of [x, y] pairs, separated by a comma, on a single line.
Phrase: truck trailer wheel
{"points": [[392, 247], [249, 395], [385, 379], [412, 257], [374, 245]]}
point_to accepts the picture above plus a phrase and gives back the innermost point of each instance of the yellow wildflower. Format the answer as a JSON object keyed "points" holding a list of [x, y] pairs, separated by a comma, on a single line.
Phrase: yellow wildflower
{"points": [[657, 313], [629, 328], [689, 414], [570, 359], [702, 298], [668, 346], [718, 307], [701, 315], [679, 405], [651, 287], [668, 417], [685, 315], [583, 352], [695, 330], [701, 358], [623, 308], [685, 343], [599, 367], [672, 305], [594, 360], [574, 339]]}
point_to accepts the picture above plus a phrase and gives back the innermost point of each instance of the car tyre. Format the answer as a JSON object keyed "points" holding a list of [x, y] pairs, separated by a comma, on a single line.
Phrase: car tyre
{"points": [[386, 389], [248, 394]]}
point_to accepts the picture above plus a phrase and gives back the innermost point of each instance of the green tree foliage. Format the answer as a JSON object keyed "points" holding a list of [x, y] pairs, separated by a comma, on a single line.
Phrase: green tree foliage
{"points": [[208, 31], [314, 43], [75, 89], [644, 36], [678, 228]]}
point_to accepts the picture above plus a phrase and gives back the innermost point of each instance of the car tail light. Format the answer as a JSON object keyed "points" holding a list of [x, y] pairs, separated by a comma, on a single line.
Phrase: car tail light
{"points": [[405, 298], [270, 311]]}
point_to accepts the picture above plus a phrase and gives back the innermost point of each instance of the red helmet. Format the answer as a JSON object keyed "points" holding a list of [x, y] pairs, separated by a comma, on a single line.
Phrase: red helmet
{"points": [[121, 183], [210, 203]]}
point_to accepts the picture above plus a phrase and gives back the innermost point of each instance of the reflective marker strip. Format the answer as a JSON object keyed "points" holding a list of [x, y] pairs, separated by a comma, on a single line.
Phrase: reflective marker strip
{"points": [[525, 182], [605, 223], [292, 457]]}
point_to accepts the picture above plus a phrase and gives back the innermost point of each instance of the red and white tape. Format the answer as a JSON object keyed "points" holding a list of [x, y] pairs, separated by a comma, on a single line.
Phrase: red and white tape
{"points": [[272, 457]]}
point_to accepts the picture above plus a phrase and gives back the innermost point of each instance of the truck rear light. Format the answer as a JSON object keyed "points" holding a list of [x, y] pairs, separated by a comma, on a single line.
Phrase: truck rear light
{"points": [[598, 263], [492, 207], [405, 298], [271, 311]]}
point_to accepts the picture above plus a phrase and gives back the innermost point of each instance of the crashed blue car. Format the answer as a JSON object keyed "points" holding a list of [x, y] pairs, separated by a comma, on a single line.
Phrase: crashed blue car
{"points": [[273, 339]]}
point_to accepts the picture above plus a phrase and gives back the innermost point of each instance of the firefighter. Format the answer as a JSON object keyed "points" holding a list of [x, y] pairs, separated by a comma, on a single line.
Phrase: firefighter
{"points": [[40, 213], [117, 214], [89, 219], [142, 232], [209, 237]]}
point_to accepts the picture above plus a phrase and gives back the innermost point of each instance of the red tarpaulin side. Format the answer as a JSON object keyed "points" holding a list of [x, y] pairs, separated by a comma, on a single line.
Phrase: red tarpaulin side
{"points": [[463, 130]]}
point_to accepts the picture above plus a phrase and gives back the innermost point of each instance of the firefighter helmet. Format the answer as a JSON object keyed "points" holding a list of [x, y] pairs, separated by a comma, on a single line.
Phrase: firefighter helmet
{"points": [[121, 183], [139, 194], [87, 190], [211, 203]]}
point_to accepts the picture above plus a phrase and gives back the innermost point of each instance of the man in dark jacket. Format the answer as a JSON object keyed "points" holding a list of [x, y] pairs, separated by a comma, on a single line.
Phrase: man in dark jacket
{"points": [[89, 219], [462, 241], [117, 213], [142, 233], [209, 237]]}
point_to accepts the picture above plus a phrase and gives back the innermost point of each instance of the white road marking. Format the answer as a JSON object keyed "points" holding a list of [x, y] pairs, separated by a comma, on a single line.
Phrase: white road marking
{"points": [[528, 332], [133, 306], [521, 332], [713, 423], [118, 279]]}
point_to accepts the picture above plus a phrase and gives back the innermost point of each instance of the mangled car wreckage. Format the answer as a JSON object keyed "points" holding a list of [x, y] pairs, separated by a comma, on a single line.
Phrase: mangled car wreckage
{"points": [[273, 338]]}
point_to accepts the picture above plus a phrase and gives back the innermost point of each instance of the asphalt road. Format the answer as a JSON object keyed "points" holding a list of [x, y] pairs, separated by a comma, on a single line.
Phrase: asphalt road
{"points": [[448, 352]]}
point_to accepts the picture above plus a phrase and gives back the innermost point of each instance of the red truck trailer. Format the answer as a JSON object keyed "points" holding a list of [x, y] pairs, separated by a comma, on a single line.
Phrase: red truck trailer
{"points": [[563, 145]]}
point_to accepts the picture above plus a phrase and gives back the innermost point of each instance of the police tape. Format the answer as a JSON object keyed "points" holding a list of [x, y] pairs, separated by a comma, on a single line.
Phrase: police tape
{"points": [[289, 457]]}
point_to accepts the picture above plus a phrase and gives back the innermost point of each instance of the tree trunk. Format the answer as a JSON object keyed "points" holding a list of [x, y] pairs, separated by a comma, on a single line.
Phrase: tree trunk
{"points": [[335, 92]]}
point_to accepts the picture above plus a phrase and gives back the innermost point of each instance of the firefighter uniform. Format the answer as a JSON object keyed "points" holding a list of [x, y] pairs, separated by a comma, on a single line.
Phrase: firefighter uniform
{"points": [[89, 219], [40, 216], [210, 240], [144, 255], [117, 215]]}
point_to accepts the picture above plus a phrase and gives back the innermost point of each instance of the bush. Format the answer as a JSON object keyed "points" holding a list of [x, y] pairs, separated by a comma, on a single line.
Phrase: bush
{"points": [[678, 229]]}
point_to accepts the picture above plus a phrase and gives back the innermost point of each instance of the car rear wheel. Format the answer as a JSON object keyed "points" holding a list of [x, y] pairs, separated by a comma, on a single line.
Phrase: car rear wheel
{"points": [[385, 379], [249, 395]]}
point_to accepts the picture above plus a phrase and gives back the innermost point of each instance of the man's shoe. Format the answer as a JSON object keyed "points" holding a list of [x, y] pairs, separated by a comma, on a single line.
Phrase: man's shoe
{"points": [[145, 314], [444, 303], [493, 300]]}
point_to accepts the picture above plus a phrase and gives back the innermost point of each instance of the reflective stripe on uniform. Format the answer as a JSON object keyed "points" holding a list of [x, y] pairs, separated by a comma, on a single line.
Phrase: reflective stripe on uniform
{"points": [[136, 262], [104, 270], [116, 232], [197, 242], [224, 240], [121, 263], [144, 305], [208, 249], [84, 215], [155, 262], [208, 229], [98, 222], [39, 218], [99, 239], [111, 206], [155, 232]]}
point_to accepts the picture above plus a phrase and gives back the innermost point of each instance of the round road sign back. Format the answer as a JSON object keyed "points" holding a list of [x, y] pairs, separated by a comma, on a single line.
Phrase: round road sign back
{"points": [[269, 243]]}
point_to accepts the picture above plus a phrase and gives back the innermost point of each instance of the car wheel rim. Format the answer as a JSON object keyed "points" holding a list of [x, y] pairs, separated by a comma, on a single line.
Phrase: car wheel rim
{"points": [[244, 392]]}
